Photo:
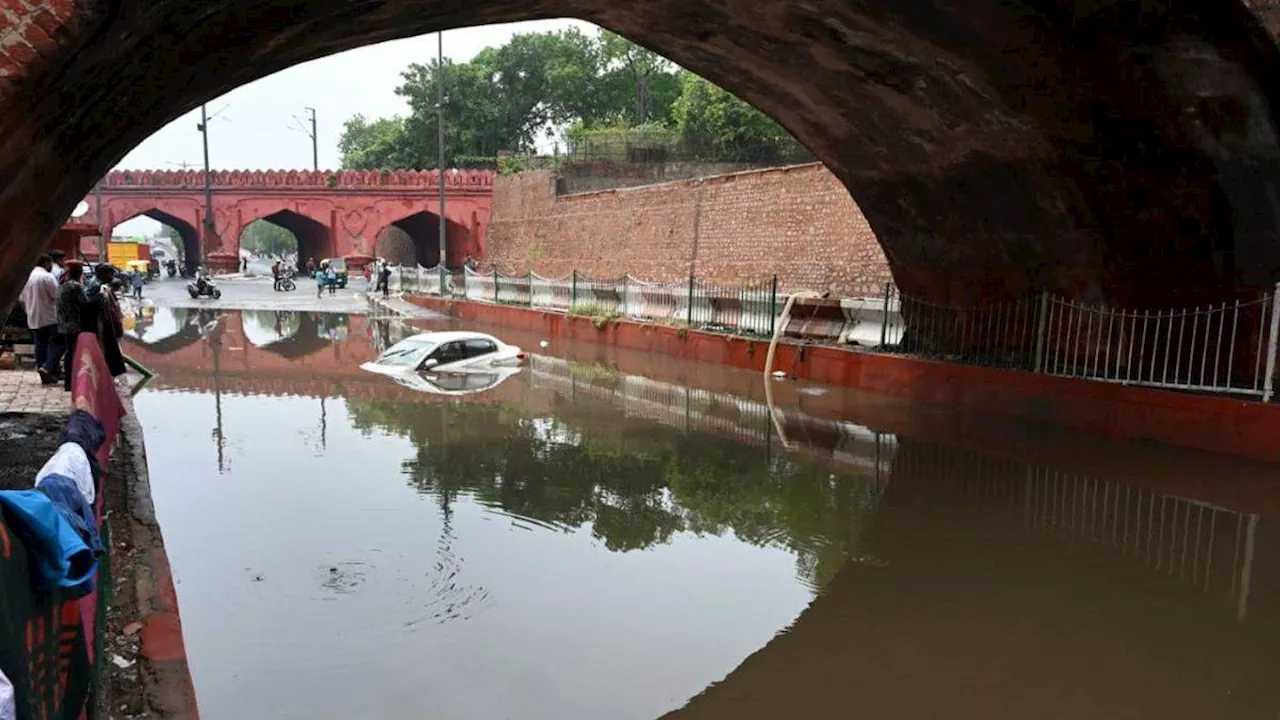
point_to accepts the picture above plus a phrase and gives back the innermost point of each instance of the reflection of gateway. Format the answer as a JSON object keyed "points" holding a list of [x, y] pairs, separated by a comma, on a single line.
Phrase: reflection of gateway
{"points": [[448, 363]]}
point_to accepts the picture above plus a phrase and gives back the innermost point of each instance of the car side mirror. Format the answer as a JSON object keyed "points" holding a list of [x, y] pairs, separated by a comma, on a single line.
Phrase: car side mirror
{"points": [[428, 364]]}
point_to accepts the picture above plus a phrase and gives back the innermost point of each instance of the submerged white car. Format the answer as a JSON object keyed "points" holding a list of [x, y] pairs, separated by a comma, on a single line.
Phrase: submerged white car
{"points": [[438, 362]]}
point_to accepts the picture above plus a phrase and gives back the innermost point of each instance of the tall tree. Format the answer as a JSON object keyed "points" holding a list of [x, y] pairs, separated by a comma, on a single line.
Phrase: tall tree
{"points": [[715, 123], [506, 97], [372, 145]]}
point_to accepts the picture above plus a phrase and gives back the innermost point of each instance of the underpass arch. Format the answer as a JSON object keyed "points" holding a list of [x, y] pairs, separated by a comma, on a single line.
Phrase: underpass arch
{"points": [[313, 238], [188, 236], [415, 239], [996, 149]]}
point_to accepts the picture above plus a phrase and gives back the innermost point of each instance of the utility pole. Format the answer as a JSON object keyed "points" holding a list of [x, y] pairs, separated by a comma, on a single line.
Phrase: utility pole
{"points": [[315, 144], [440, 123], [102, 241], [209, 227]]}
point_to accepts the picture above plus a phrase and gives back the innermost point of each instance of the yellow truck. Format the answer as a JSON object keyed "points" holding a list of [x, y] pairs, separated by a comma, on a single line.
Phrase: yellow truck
{"points": [[130, 256], [121, 253]]}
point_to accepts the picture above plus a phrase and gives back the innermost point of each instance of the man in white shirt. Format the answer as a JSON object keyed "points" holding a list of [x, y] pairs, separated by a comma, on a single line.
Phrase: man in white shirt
{"points": [[39, 300]]}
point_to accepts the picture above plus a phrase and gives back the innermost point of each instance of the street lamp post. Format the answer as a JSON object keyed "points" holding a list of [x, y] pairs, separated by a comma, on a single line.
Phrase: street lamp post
{"points": [[440, 125], [209, 227]]}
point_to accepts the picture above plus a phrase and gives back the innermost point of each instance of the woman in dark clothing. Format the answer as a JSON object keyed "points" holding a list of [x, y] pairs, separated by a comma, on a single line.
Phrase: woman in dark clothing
{"points": [[71, 305], [102, 316]]}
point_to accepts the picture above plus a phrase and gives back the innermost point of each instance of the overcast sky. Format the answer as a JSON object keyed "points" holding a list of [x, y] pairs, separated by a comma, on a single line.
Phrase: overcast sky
{"points": [[255, 126]]}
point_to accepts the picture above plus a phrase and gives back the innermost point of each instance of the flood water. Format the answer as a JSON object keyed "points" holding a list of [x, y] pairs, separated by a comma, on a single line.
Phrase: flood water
{"points": [[610, 535]]}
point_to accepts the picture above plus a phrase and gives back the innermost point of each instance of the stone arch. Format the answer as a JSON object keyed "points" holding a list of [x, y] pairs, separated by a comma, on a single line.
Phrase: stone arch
{"points": [[187, 232], [996, 148], [415, 238], [313, 237]]}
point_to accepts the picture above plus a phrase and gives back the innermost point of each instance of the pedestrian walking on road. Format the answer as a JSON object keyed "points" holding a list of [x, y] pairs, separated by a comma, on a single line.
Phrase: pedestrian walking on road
{"points": [[384, 279], [311, 267], [320, 282], [39, 301], [331, 279], [244, 265], [368, 278], [136, 280]]}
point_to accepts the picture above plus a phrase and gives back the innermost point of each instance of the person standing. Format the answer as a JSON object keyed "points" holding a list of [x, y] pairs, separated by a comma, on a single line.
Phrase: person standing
{"points": [[275, 275], [384, 278], [70, 312], [368, 277], [320, 280], [244, 264], [102, 316], [311, 267], [59, 258], [136, 279], [39, 300], [331, 279]]}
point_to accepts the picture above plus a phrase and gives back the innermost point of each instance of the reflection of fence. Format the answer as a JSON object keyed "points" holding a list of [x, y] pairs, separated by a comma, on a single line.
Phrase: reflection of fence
{"points": [[745, 420], [1224, 348], [1204, 545]]}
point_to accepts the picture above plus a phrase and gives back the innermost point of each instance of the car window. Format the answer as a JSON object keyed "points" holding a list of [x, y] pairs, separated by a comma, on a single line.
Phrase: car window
{"points": [[476, 348], [406, 354], [449, 352]]}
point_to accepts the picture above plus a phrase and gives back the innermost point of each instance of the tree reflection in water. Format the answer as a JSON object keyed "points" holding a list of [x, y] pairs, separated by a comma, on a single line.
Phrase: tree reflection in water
{"points": [[636, 483]]}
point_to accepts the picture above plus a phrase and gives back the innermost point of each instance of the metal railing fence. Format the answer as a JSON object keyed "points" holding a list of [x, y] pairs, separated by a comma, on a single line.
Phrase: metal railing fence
{"points": [[1227, 348]]}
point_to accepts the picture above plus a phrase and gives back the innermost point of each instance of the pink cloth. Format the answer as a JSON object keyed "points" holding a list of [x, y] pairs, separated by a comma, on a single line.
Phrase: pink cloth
{"points": [[94, 391]]}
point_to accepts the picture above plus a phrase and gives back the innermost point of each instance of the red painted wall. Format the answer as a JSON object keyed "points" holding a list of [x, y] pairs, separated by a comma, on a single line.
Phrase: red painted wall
{"points": [[1220, 425]]}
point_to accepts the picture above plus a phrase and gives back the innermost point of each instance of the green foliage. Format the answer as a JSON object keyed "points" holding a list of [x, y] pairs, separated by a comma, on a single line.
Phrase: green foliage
{"points": [[716, 124], [266, 238], [371, 145], [620, 100], [511, 164]]}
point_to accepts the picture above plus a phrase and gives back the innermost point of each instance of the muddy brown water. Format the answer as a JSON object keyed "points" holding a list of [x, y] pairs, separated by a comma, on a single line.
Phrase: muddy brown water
{"points": [[587, 541]]}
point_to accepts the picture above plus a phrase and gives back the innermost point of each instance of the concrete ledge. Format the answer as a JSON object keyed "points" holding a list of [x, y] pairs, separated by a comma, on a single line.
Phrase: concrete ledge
{"points": [[1220, 425], [169, 688]]}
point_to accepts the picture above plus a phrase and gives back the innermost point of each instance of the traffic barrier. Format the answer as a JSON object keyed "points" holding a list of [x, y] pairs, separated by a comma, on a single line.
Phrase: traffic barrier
{"points": [[818, 319]]}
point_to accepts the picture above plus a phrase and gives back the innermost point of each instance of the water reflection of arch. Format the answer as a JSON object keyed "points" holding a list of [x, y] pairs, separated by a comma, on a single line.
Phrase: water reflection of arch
{"points": [[305, 341], [189, 332]]}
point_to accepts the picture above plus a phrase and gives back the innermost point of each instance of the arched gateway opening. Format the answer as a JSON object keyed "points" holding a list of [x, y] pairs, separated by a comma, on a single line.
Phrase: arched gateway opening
{"points": [[287, 235], [997, 148], [174, 231], [416, 240]]}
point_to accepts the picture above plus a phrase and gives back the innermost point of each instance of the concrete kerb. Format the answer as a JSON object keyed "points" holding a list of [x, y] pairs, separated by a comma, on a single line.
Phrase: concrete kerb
{"points": [[169, 688]]}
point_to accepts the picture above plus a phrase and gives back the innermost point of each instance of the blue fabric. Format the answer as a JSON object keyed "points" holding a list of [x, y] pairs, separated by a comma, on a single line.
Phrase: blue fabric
{"points": [[66, 496], [57, 555]]}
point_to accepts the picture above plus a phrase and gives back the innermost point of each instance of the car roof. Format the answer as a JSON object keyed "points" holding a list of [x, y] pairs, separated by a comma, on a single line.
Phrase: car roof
{"points": [[445, 336]]}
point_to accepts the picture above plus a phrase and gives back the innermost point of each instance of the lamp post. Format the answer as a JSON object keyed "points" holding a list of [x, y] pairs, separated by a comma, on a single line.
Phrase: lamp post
{"points": [[440, 140], [209, 228]]}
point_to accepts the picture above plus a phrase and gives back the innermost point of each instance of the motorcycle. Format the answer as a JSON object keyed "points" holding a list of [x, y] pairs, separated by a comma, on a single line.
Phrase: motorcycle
{"points": [[171, 267], [287, 284], [203, 287]]}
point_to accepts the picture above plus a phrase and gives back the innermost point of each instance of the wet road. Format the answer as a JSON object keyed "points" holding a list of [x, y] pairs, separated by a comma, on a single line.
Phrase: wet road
{"points": [[607, 535], [257, 293]]}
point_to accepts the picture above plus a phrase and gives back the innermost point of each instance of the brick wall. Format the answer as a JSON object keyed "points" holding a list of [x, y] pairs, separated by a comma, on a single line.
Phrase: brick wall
{"points": [[798, 222]]}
